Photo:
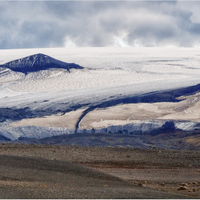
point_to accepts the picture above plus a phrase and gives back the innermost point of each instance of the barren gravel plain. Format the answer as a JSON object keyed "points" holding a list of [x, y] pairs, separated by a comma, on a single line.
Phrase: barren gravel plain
{"points": [[55, 171]]}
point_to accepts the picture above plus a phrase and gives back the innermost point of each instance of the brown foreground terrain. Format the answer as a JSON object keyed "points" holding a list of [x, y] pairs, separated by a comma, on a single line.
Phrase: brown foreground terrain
{"points": [[53, 171]]}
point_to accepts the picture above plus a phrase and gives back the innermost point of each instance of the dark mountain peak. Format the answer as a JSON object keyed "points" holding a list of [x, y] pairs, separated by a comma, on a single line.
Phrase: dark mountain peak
{"points": [[38, 62]]}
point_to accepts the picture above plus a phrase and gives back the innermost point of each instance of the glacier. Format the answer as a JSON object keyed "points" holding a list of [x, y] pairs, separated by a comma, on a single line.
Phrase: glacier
{"points": [[35, 84]]}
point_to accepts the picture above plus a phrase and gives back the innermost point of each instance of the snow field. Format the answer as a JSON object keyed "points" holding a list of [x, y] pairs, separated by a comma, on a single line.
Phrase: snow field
{"points": [[58, 80]]}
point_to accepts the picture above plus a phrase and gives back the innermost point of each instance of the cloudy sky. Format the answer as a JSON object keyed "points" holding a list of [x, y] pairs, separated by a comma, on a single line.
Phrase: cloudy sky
{"points": [[38, 24]]}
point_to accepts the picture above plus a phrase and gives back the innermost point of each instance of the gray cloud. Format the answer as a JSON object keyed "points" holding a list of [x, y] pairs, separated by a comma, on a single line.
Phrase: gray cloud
{"points": [[35, 24]]}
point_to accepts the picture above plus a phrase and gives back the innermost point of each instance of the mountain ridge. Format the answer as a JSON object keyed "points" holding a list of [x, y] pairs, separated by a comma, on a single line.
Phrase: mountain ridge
{"points": [[38, 62]]}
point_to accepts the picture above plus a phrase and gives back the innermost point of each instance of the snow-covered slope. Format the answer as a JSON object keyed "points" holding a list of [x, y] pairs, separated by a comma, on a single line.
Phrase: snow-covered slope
{"points": [[7, 75], [33, 132]]}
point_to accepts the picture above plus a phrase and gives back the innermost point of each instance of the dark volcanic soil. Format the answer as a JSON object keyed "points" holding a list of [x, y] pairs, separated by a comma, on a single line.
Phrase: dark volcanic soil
{"points": [[48, 171]]}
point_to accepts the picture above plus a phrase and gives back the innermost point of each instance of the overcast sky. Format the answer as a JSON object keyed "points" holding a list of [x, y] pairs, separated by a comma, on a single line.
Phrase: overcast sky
{"points": [[36, 24]]}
